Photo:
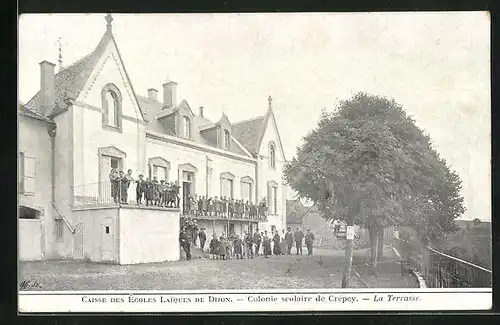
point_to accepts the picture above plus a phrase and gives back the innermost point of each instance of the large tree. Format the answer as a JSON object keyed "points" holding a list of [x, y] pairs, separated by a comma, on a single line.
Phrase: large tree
{"points": [[369, 164]]}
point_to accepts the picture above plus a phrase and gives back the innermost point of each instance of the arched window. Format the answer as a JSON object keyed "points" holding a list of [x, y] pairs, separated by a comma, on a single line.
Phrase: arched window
{"points": [[272, 155], [227, 139], [187, 127], [111, 105]]}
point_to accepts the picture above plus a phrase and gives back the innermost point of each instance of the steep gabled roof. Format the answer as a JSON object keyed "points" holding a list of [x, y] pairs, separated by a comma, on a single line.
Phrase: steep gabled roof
{"points": [[70, 81], [250, 132]]}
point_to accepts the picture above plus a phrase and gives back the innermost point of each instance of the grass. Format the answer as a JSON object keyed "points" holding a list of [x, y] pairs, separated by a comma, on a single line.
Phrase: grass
{"points": [[323, 270]]}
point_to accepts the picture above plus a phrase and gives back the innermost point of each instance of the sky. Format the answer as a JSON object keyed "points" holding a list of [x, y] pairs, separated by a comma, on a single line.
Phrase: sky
{"points": [[436, 65]]}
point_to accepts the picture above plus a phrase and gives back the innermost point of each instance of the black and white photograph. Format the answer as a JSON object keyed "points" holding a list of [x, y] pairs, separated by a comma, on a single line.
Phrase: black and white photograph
{"points": [[254, 162]]}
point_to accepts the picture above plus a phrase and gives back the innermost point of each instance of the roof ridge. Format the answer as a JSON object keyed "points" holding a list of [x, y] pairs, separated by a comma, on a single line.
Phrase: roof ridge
{"points": [[249, 120]]}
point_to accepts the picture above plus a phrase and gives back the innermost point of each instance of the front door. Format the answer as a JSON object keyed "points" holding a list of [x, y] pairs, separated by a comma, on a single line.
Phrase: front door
{"points": [[186, 193], [107, 163], [78, 243], [107, 235]]}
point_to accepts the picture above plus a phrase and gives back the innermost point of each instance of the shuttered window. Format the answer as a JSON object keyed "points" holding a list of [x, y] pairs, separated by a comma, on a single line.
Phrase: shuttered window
{"points": [[27, 173]]}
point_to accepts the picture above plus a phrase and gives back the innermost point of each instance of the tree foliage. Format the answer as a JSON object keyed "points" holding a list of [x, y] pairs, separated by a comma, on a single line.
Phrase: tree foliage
{"points": [[369, 164]]}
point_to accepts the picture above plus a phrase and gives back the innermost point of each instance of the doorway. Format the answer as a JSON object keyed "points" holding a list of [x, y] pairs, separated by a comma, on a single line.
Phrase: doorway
{"points": [[107, 235]]}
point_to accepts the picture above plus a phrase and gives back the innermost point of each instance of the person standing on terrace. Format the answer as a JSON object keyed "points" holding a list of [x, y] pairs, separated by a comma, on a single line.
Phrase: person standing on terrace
{"points": [[114, 180]]}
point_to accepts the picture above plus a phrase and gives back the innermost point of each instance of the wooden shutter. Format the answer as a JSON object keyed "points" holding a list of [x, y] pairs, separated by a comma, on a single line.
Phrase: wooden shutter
{"points": [[28, 177]]}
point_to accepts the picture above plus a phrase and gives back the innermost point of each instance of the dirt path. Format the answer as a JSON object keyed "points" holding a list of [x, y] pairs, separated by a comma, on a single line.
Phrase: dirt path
{"points": [[323, 270]]}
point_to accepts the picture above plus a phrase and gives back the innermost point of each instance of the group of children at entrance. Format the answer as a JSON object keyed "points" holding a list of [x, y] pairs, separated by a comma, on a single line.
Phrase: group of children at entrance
{"points": [[258, 243]]}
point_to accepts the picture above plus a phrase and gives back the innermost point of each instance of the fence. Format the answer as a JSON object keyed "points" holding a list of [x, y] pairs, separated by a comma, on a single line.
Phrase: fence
{"points": [[102, 193], [441, 270]]}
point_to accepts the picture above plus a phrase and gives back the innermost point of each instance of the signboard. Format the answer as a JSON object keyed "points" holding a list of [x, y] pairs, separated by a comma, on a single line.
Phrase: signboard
{"points": [[340, 231], [350, 232], [306, 202]]}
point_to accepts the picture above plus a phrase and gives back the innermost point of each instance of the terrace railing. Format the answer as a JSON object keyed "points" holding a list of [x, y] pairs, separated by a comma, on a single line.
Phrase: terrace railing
{"points": [[236, 217], [102, 194], [441, 270]]}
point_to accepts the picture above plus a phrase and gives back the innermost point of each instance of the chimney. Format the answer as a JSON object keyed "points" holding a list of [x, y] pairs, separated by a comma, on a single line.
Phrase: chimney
{"points": [[201, 111], [153, 94], [47, 88], [170, 94]]}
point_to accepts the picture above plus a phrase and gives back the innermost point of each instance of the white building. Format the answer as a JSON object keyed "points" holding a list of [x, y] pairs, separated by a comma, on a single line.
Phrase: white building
{"points": [[88, 118]]}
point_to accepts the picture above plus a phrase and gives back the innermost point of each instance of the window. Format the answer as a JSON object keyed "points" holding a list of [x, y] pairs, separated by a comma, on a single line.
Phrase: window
{"points": [[246, 188], [246, 191], [59, 229], [114, 162], [226, 188], [272, 156], [275, 200], [227, 139], [107, 229], [28, 213], [187, 127], [160, 172], [111, 105], [27, 174], [272, 197]]}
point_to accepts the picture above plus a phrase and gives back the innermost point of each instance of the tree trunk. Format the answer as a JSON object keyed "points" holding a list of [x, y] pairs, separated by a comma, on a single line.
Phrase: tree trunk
{"points": [[380, 243], [375, 257], [348, 263], [373, 243]]}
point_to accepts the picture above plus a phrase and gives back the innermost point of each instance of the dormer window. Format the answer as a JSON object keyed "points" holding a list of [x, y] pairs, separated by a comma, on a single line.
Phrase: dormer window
{"points": [[227, 139], [111, 105], [187, 127], [272, 156]]}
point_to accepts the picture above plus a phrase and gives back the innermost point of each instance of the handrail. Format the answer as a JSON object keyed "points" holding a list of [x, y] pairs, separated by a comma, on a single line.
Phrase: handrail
{"points": [[73, 230], [449, 256]]}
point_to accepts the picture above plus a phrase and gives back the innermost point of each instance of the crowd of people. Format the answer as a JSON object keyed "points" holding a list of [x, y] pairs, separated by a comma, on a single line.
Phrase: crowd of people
{"points": [[225, 207], [151, 192], [251, 245]]}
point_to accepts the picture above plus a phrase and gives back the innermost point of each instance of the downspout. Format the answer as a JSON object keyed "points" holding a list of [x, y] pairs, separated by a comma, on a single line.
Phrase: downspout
{"points": [[52, 133]]}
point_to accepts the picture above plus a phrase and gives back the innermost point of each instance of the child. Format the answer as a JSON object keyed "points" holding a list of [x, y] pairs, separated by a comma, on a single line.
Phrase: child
{"points": [[222, 247], [238, 243], [214, 246]]}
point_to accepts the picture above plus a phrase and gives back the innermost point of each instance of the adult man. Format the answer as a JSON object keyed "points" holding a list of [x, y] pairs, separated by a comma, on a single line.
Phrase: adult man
{"points": [[162, 188], [289, 241], [309, 241], [230, 208], [123, 181], [129, 179], [185, 242], [283, 242], [224, 206], [175, 193], [298, 236], [257, 239], [149, 192], [140, 189], [114, 179], [156, 191], [248, 245], [276, 241], [203, 238]]}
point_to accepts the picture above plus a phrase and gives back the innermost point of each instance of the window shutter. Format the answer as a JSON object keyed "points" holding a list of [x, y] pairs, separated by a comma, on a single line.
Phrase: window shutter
{"points": [[28, 165]]}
